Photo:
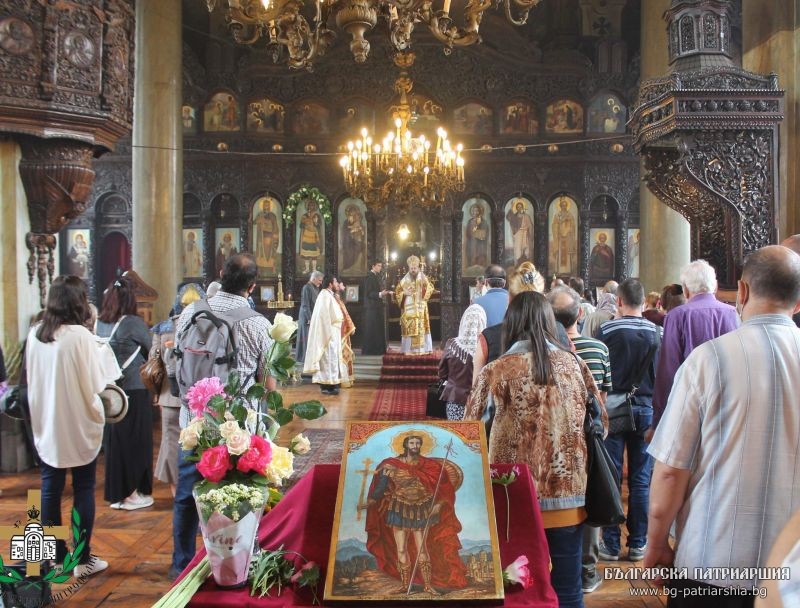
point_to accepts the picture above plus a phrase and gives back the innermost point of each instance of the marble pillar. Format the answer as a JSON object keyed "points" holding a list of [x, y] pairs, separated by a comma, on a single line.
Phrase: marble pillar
{"points": [[157, 152], [665, 243], [19, 299], [771, 43]]}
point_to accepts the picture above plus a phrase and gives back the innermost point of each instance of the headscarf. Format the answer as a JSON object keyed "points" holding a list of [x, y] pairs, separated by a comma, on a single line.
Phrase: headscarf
{"points": [[607, 302], [473, 322], [187, 293]]}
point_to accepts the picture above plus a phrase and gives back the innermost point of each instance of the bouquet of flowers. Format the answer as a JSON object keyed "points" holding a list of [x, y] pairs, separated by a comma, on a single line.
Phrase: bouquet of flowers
{"points": [[231, 438]]}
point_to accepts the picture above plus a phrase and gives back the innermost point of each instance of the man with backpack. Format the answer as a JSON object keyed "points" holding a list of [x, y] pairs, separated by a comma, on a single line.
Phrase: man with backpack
{"points": [[235, 337]]}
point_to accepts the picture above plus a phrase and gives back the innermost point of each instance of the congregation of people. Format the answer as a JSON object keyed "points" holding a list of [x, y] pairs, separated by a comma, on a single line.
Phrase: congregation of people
{"points": [[710, 464]]}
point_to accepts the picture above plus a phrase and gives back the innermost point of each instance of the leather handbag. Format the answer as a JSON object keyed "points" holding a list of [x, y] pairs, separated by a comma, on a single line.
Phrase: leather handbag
{"points": [[434, 406], [153, 372], [603, 499]]}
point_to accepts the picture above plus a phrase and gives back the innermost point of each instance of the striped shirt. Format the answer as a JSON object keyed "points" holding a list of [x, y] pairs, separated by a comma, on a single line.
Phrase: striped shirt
{"points": [[629, 339], [595, 354], [733, 420]]}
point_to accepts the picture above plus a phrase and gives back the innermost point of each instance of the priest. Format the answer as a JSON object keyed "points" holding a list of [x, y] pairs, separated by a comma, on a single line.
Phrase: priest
{"points": [[324, 360], [412, 294], [374, 337]]}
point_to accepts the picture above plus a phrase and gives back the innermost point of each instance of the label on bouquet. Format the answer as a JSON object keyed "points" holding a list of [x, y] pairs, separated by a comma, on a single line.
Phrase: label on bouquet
{"points": [[230, 545]]}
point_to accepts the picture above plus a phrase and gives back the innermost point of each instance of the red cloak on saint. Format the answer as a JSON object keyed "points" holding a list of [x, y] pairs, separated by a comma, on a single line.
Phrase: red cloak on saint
{"points": [[447, 569]]}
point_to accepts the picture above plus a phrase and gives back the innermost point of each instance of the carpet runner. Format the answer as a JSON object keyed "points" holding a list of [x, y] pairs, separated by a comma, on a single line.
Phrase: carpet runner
{"points": [[400, 368], [326, 448], [399, 402]]}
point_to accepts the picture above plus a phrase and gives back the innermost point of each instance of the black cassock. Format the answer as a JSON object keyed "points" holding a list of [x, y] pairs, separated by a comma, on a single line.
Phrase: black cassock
{"points": [[374, 332], [308, 298]]}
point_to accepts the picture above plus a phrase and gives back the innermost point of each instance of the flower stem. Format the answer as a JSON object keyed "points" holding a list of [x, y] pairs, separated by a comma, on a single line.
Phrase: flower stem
{"points": [[508, 514]]}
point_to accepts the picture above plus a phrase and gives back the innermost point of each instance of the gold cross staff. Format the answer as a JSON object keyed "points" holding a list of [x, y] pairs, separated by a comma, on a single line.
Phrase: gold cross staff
{"points": [[362, 503], [60, 532]]}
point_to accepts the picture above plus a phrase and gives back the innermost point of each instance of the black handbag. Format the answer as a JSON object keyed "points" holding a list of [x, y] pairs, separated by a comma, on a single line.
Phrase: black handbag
{"points": [[14, 403], [620, 405], [603, 499], [434, 406]]}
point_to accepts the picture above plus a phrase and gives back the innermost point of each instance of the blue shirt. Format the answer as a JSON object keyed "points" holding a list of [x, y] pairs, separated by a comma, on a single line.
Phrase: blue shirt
{"points": [[495, 303]]}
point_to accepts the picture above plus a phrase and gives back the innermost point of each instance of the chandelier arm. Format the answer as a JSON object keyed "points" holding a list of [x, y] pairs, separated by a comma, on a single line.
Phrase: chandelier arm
{"points": [[525, 7], [237, 28]]}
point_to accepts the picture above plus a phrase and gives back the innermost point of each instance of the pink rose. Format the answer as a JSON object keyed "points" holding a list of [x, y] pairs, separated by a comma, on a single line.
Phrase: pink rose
{"points": [[304, 572], [201, 393], [215, 463], [257, 457], [518, 572]]}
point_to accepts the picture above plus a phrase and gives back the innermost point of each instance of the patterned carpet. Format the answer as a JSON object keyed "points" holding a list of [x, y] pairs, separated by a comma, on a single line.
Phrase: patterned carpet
{"points": [[398, 368], [399, 402], [326, 448]]}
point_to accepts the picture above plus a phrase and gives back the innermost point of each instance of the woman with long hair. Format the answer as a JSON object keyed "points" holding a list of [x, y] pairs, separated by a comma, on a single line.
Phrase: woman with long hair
{"points": [[163, 343], [538, 391], [65, 375], [129, 443]]}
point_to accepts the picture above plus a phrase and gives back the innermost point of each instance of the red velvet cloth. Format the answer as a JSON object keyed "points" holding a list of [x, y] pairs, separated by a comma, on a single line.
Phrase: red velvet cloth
{"points": [[303, 521]]}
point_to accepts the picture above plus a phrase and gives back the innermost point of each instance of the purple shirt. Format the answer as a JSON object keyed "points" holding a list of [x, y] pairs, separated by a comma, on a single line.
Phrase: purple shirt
{"points": [[686, 327]]}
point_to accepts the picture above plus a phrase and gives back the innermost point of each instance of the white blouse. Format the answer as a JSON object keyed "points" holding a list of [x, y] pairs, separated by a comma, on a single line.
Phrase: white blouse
{"points": [[64, 378]]}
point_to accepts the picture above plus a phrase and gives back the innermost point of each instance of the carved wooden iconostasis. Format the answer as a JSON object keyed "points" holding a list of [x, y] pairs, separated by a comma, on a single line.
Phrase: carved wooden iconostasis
{"points": [[518, 106]]}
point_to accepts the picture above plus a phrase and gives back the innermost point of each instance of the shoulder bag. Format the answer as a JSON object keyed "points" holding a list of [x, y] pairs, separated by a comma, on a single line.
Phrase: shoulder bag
{"points": [[153, 372], [620, 405], [603, 500], [434, 406]]}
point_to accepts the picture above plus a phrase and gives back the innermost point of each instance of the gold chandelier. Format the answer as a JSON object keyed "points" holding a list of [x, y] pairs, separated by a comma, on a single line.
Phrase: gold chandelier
{"points": [[404, 169], [304, 34]]}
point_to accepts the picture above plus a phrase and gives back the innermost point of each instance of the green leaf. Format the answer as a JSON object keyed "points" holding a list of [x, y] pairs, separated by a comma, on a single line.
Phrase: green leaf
{"points": [[6, 579], [234, 384], [283, 416], [286, 362], [76, 517], [274, 400], [278, 372], [308, 410], [61, 579], [255, 392], [15, 575]]}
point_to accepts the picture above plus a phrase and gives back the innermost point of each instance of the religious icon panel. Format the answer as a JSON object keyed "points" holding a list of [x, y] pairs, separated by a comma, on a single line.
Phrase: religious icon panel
{"points": [[265, 116], [424, 486], [602, 256], [519, 118], [310, 233], [310, 118], [227, 245], [267, 247], [355, 115], [564, 117], [472, 119], [426, 115], [477, 239], [188, 120], [192, 252], [607, 114], [78, 243], [221, 113], [518, 232], [352, 260], [633, 252], [563, 236]]}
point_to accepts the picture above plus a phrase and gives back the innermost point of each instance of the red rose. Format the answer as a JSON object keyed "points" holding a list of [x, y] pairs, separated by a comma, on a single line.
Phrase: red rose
{"points": [[257, 457], [214, 463]]}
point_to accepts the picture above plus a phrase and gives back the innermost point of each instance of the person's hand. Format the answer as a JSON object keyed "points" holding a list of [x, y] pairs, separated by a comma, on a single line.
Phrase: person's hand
{"points": [[648, 435], [658, 555]]}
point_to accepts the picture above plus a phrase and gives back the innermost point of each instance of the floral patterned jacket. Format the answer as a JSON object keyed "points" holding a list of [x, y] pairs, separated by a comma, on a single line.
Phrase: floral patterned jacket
{"points": [[539, 425]]}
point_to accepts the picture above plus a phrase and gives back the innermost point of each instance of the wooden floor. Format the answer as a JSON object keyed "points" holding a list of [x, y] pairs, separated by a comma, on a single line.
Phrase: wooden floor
{"points": [[138, 544]]}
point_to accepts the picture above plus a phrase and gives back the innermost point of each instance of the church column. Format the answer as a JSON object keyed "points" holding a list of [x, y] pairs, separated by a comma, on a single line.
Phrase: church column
{"points": [[771, 43], [157, 152], [20, 298], [665, 244]]}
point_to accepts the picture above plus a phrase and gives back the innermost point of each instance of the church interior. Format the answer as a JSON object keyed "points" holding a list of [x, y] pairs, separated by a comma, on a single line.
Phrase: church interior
{"points": [[598, 139]]}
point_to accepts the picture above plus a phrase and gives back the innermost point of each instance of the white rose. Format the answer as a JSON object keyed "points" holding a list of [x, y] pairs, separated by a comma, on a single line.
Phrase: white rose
{"points": [[238, 442], [301, 444], [188, 437], [226, 429], [283, 327], [280, 466]]}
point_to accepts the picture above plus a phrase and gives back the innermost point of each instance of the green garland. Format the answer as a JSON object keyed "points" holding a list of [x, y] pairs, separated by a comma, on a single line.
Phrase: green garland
{"points": [[304, 193]]}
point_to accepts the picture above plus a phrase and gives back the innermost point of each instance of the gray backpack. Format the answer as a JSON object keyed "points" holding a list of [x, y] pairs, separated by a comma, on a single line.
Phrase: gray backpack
{"points": [[207, 347]]}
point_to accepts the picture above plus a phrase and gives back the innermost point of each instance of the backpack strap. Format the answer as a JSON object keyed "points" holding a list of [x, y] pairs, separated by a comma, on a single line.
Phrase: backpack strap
{"points": [[233, 317]]}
